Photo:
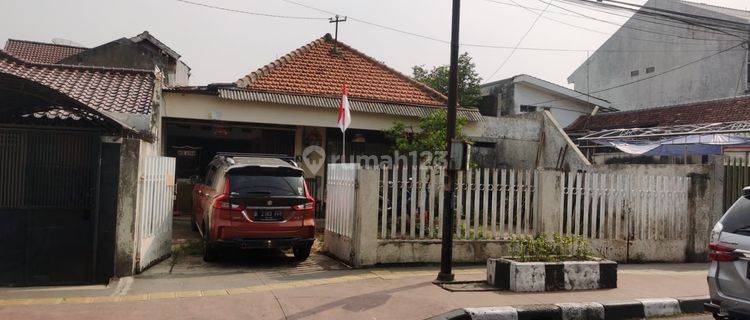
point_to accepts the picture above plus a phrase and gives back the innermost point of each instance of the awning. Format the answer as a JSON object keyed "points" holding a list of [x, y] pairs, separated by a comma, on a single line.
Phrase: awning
{"points": [[706, 144]]}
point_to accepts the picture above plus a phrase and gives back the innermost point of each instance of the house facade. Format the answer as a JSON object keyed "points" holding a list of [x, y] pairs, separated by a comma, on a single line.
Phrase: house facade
{"points": [[525, 94], [292, 104], [653, 62]]}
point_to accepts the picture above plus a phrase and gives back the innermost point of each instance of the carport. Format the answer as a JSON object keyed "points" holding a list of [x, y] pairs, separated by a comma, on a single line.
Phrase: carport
{"points": [[59, 169]]}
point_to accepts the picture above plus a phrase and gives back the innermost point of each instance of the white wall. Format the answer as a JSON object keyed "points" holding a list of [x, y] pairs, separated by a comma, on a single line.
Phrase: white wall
{"points": [[564, 110], [723, 75], [206, 107]]}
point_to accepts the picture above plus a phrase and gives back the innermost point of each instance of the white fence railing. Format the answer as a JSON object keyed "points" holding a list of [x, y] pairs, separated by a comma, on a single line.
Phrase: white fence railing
{"points": [[638, 207], [491, 203], [340, 198], [156, 192]]}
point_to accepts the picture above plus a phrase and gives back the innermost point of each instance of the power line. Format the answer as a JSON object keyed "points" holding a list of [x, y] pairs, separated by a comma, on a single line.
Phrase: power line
{"points": [[603, 7], [624, 25], [434, 39], [515, 48], [652, 76], [269, 15], [535, 10]]}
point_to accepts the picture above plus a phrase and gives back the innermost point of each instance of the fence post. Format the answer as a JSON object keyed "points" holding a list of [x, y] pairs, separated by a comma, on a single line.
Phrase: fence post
{"points": [[549, 210], [365, 231]]}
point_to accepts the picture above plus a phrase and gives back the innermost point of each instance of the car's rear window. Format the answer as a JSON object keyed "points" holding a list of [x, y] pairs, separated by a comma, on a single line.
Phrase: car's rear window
{"points": [[737, 218], [266, 182]]}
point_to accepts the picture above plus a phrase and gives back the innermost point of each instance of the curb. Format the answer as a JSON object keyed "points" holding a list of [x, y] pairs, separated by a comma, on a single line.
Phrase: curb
{"points": [[613, 310]]}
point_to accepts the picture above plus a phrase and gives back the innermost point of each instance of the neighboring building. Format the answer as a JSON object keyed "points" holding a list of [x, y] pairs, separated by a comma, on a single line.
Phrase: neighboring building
{"points": [[651, 61], [684, 133], [72, 143], [292, 103], [142, 52], [525, 94]]}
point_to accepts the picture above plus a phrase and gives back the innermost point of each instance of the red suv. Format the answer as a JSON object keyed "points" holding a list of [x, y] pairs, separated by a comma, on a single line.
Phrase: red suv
{"points": [[254, 202]]}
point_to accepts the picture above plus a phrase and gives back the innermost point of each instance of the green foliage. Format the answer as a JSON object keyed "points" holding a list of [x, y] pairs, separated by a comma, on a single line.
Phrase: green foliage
{"points": [[543, 248], [429, 137], [468, 80]]}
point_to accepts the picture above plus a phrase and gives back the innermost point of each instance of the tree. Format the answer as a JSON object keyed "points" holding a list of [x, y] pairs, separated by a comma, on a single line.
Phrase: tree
{"points": [[468, 80], [430, 136]]}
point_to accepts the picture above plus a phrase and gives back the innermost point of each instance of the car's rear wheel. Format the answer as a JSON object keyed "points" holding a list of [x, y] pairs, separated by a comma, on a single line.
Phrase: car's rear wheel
{"points": [[301, 253], [210, 253]]}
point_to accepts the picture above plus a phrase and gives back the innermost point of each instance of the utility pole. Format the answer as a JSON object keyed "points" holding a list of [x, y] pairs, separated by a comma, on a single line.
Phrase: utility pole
{"points": [[446, 253], [336, 20]]}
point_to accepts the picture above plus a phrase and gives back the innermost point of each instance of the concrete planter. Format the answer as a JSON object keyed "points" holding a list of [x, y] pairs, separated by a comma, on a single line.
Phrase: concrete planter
{"points": [[508, 274]]}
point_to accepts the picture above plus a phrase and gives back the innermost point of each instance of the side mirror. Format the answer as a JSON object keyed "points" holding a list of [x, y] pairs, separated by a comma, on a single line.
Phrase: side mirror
{"points": [[746, 192]]}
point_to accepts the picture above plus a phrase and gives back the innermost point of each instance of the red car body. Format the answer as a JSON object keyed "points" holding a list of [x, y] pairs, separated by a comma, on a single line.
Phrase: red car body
{"points": [[279, 216]]}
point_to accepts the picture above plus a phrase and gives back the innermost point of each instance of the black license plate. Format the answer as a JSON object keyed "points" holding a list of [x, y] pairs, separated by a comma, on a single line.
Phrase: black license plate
{"points": [[268, 215]]}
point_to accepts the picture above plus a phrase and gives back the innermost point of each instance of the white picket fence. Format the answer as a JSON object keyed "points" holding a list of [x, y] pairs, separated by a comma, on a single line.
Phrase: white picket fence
{"points": [[608, 206], [156, 199], [491, 203], [340, 198]]}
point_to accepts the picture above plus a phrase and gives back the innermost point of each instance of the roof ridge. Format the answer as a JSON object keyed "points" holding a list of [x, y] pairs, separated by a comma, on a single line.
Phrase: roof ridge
{"points": [[70, 66], [432, 92], [261, 72], [678, 105], [254, 76], [44, 43]]}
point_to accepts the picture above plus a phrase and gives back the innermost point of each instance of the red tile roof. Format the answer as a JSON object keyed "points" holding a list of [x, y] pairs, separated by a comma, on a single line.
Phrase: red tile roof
{"points": [[313, 70], [102, 89], [714, 111], [40, 52]]}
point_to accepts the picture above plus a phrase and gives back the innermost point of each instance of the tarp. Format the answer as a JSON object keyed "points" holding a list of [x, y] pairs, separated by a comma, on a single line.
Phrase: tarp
{"points": [[686, 145]]}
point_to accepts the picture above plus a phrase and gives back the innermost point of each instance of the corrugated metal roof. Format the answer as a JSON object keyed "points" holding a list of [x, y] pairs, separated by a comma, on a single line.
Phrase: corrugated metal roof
{"points": [[333, 103]]}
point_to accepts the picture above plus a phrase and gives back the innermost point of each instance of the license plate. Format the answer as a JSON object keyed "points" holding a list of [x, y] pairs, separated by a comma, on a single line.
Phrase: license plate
{"points": [[268, 215]]}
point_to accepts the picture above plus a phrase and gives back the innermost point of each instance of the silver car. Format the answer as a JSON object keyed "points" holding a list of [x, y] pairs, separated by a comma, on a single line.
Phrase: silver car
{"points": [[729, 273]]}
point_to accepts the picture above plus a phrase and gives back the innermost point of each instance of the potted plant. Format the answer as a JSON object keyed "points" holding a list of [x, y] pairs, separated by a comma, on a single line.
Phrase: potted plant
{"points": [[550, 263]]}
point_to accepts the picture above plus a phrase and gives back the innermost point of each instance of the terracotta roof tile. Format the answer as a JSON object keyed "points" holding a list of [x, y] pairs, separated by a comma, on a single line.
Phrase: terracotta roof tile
{"points": [[714, 111], [102, 89], [313, 70], [40, 52]]}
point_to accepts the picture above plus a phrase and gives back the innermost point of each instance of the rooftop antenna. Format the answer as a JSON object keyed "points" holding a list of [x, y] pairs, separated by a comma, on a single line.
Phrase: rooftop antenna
{"points": [[336, 20]]}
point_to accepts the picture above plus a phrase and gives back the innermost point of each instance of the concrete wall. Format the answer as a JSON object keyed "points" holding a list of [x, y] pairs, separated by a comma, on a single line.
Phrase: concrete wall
{"points": [[529, 141], [723, 75], [127, 206], [704, 205], [564, 109]]}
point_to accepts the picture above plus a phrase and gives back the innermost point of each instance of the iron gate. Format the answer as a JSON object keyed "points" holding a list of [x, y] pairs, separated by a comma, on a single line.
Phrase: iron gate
{"points": [[48, 201]]}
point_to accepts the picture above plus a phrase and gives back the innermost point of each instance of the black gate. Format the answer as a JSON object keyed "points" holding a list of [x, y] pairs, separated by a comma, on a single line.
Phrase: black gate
{"points": [[48, 201]]}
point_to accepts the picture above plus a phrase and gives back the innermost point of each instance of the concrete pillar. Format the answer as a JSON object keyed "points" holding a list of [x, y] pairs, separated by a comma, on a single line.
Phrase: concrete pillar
{"points": [[705, 208], [549, 211], [127, 205], [365, 232]]}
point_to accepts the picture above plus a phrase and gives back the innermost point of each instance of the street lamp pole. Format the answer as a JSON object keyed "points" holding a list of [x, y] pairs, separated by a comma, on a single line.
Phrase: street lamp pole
{"points": [[446, 253]]}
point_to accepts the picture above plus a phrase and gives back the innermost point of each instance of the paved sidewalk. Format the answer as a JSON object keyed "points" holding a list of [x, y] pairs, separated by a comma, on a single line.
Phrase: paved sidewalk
{"points": [[380, 293]]}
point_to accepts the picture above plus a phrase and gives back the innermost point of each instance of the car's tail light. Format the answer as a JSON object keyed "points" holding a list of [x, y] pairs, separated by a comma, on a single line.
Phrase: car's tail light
{"points": [[224, 200], [722, 253], [304, 206]]}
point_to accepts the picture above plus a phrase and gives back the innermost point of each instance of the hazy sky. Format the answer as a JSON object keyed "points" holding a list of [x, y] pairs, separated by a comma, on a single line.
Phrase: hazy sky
{"points": [[223, 46]]}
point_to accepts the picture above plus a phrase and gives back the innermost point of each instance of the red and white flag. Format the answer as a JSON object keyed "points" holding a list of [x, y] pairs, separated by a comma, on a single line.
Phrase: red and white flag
{"points": [[345, 117]]}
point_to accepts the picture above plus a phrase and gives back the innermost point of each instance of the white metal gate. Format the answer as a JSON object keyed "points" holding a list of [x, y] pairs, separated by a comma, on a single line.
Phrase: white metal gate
{"points": [[340, 198], [156, 192]]}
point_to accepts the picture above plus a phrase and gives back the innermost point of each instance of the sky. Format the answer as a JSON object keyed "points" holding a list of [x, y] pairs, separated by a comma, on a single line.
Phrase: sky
{"points": [[223, 46]]}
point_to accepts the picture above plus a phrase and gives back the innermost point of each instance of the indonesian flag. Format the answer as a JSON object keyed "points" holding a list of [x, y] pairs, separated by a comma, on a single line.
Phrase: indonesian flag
{"points": [[345, 117]]}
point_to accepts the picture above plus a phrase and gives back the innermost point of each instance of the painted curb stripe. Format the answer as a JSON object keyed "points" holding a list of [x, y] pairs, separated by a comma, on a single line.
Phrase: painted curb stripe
{"points": [[493, 313], [623, 310], [692, 304]]}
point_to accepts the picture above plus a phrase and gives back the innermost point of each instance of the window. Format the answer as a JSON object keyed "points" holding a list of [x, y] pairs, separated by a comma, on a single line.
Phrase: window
{"points": [[650, 69], [737, 219], [528, 108], [634, 73]]}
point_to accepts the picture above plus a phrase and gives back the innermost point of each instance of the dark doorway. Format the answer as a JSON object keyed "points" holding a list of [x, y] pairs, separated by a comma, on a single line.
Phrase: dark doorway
{"points": [[48, 206]]}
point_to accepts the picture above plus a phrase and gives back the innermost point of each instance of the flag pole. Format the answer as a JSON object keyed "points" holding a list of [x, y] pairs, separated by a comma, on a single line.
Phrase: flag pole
{"points": [[343, 146]]}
